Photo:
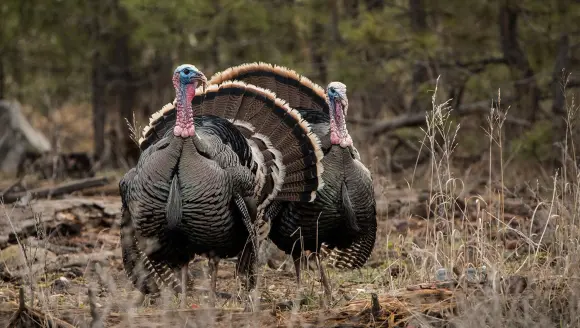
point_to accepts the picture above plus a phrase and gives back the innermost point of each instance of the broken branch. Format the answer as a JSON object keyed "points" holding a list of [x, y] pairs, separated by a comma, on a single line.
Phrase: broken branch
{"points": [[64, 188], [10, 187], [481, 107]]}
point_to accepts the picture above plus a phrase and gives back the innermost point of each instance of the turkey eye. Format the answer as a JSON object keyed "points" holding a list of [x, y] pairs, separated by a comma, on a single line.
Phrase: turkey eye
{"points": [[186, 71]]}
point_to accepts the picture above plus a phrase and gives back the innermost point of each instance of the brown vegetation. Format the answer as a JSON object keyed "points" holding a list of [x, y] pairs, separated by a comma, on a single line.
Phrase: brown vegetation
{"points": [[469, 183]]}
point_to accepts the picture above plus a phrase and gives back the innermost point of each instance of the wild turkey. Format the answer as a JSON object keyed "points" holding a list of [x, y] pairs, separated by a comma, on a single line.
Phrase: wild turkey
{"points": [[347, 224], [200, 176]]}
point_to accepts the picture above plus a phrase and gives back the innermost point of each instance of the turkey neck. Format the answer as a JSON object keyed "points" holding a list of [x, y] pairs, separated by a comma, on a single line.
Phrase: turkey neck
{"points": [[184, 95], [338, 132], [184, 118]]}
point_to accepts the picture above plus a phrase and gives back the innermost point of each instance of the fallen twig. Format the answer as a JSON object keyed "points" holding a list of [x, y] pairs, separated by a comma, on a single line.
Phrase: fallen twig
{"points": [[10, 187], [64, 188], [56, 249]]}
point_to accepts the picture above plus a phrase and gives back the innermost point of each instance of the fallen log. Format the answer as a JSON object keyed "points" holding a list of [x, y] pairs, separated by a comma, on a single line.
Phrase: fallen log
{"points": [[57, 217], [10, 187], [64, 188], [413, 120]]}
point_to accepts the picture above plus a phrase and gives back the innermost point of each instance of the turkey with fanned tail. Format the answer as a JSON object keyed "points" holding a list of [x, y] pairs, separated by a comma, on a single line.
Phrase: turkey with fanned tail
{"points": [[341, 222], [201, 180]]}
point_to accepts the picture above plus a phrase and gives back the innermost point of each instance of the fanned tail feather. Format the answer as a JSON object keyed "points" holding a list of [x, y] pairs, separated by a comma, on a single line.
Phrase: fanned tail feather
{"points": [[146, 275], [134, 262], [246, 266], [301, 94], [161, 273], [281, 135], [354, 256], [299, 91]]}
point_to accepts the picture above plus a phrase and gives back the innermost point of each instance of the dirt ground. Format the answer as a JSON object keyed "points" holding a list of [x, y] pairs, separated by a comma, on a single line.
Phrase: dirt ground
{"points": [[72, 269]]}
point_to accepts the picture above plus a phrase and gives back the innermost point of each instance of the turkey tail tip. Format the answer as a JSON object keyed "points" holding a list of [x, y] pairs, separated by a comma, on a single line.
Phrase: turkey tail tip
{"points": [[152, 120], [319, 171], [238, 70], [235, 72], [155, 116], [311, 85]]}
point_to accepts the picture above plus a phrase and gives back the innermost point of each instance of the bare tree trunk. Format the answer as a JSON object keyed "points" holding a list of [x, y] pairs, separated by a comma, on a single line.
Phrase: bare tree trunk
{"points": [[98, 102], [559, 75], [97, 82], [215, 45], [156, 96], [126, 91], [375, 4], [420, 75], [100, 74], [2, 78], [526, 87], [351, 8], [335, 20], [317, 51]]}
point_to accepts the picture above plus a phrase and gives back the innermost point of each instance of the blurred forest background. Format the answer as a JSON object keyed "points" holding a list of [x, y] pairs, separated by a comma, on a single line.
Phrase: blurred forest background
{"points": [[79, 68]]}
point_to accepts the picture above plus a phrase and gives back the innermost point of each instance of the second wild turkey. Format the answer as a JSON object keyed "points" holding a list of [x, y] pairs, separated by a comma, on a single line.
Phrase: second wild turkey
{"points": [[199, 177], [341, 222]]}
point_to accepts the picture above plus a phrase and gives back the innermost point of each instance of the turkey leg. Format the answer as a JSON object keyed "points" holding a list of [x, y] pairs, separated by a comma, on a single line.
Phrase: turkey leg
{"points": [[297, 266], [184, 276], [213, 263], [324, 280], [296, 259]]}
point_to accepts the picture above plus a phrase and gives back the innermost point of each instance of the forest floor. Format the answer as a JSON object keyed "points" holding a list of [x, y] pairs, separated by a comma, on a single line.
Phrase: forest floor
{"points": [[72, 269]]}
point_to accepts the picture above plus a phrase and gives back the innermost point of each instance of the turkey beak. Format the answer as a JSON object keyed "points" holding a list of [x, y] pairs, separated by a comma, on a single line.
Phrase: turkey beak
{"points": [[201, 79]]}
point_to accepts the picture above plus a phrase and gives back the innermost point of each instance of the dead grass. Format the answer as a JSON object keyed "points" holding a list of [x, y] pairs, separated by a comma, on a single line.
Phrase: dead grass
{"points": [[431, 216]]}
